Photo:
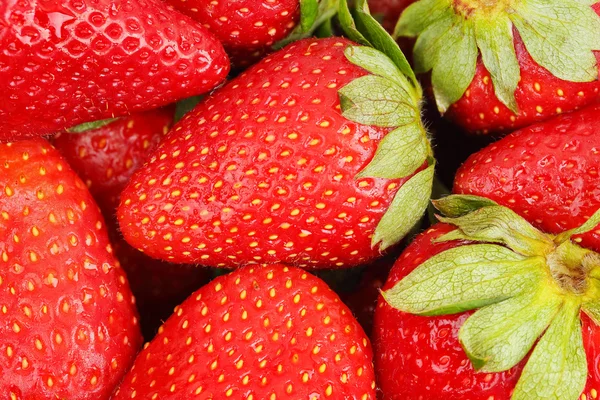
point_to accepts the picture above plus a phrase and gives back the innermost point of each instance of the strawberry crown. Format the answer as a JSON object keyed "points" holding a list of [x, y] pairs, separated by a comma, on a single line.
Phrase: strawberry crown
{"points": [[390, 96], [529, 288], [560, 35]]}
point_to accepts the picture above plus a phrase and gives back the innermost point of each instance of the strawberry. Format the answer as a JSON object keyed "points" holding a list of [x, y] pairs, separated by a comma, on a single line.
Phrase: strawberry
{"points": [[250, 28], [547, 173], [388, 11], [500, 65], [69, 326], [274, 168], [105, 158], [65, 63], [261, 332], [535, 334]]}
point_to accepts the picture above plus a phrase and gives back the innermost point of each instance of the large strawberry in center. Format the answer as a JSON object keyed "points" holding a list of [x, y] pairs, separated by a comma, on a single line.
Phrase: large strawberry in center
{"points": [[295, 161]]}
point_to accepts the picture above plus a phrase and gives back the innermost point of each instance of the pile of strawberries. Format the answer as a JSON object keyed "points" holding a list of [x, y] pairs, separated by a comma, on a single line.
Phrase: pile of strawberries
{"points": [[259, 189]]}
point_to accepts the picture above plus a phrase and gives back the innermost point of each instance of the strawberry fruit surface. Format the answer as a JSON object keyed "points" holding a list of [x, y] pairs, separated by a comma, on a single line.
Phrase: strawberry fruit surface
{"points": [[259, 332], [274, 168], [69, 326], [65, 63]]}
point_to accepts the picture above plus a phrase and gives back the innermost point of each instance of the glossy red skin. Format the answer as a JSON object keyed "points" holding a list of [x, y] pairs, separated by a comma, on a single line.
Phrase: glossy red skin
{"points": [[232, 152], [420, 358], [547, 173], [64, 63], [271, 324], [106, 158], [59, 284], [121, 148], [247, 28]]}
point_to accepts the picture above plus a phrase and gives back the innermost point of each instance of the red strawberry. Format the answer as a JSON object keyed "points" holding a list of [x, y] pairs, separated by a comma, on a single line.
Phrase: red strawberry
{"points": [[498, 66], [249, 28], [69, 327], [422, 353], [388, 11], [258, 333], [106, 158], [265, 169], [64, 63], [547, 173]]}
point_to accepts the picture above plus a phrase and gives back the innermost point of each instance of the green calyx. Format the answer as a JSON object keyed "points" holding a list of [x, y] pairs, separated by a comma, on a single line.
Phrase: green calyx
{"points": [[315, 17], [88, 126], [528, 288], [389, 97], [560, 35]]}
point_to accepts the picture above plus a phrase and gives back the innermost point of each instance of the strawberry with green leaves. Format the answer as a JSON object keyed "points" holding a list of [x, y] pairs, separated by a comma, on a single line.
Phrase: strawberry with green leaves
{"points": [[261, 332], [316, 157], [105, 155], [250, 28], [547, 173], [64, 63], [497, 65], [69, 328], [535, 332]]}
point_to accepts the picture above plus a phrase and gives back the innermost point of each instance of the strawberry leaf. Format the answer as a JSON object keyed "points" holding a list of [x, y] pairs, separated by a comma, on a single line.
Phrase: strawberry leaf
{"points": [[88, 126], [185, 106], [496, 224], [348, 26], [560, 35], [374, 100], [464, 278], [499, 336], [495, 40], [313, 13], [457, 205], [455, 65], [399, 154], [557, 368], [406, 209]]}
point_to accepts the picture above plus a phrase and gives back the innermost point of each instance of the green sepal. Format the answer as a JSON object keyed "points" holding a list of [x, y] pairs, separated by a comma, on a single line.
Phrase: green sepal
{"points": [[457, 205], [560, 35], [185, 106], [407, 208], [592, 309], [313, 14], [464, 278], [88, 126], [499, 336], [374, 100], [557, 368], [361, 27], [495, 41], [399, 154], [590, 224], [497, 224]]}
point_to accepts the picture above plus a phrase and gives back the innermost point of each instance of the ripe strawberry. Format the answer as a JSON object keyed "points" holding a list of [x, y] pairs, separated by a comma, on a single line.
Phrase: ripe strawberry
{"points": [[69, 327], [261, 332], [249, 28], [388, 11], [423, 353], [500, 65], [265, 169], [64, 63], [106, 158], [547, 173]]}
